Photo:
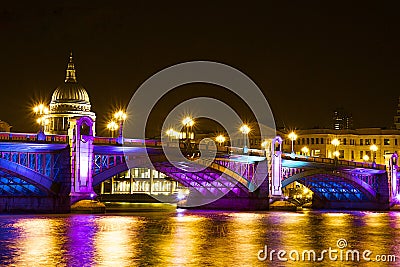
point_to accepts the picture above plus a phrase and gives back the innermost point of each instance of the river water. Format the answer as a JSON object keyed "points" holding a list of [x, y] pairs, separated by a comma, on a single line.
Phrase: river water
{"points": [[172, 237]]}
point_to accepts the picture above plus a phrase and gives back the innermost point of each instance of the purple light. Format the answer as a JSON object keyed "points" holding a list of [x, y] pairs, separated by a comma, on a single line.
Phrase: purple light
{"points": [[91, 195], [398, 197]]}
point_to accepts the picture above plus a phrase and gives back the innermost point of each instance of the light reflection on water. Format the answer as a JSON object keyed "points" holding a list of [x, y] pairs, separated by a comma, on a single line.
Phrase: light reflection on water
{"points": [[189, 238]]}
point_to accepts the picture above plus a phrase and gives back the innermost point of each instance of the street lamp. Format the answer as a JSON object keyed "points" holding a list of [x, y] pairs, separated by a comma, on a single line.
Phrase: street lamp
{"points": [[41, 111], [188, 123], [305, 150], [220, 139], [292, 136], [265, 144], [365, 157], [120, 116], [172, 133], [336, 142], [336, 154], [245, 131], [373, 149], [112, 126]]}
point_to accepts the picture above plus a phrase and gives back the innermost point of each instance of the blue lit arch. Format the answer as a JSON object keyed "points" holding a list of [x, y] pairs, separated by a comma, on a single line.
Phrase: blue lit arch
{"points": [[333, 185], [16, 179]]}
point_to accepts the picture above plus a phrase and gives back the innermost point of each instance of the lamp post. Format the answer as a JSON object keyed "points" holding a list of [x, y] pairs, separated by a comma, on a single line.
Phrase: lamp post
{"points": [[305, 150], [335, 142], [365, 158], [120, 116], [266, 146], [373, 149], [336, 154], [112, 126], [188, 123], [292, 136], [220, 139], [245, 131], [171, 133], [41, 111]]}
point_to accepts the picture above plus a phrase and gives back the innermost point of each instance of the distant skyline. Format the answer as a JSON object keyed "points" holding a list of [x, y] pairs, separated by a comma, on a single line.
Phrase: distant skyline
{"points": [[309, 58]]}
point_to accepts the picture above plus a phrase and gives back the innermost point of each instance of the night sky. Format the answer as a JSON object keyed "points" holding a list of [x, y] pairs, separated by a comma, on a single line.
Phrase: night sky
{"points": [[308, 58]]}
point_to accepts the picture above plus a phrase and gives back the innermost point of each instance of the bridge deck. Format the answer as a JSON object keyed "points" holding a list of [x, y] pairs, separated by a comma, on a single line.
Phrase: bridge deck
{"points": [[29, 143]]}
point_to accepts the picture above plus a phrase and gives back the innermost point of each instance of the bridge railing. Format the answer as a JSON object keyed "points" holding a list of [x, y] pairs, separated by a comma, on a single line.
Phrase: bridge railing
{"points": [[104, 140], [354, 164], [31, 137], [127, 141], [240, 151], [158, 143]]}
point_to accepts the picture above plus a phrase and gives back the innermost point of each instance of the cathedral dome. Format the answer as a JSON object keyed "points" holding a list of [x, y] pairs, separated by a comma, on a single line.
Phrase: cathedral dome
{"points": [[70, 96], [70, 93]]}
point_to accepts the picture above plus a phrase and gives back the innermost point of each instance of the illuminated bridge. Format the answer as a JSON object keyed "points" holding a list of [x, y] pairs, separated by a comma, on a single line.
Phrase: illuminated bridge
{"points": [[50, 174]]}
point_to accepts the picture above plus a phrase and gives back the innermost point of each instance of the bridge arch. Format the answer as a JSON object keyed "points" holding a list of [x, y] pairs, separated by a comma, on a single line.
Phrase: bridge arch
{"points": [[188, 179], [42, 182], [334, 185], [107, 174]]}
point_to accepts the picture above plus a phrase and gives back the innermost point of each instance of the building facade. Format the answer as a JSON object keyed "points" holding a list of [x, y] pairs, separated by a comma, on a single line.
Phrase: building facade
{"points": [[354, 145]]}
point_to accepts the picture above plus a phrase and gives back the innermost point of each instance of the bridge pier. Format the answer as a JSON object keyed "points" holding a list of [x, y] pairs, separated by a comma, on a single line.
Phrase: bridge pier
{"points": [[81, 152], [393, 183]]}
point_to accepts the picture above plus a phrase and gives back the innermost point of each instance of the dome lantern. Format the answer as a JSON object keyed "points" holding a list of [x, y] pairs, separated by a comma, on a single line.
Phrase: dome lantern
{"points": [[70, 76]]}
